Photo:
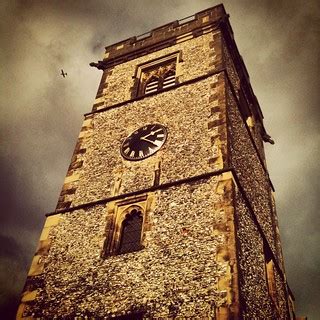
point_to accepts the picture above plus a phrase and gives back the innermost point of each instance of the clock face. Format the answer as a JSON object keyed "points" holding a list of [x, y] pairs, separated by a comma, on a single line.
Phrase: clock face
{"points": [[144, 142]]}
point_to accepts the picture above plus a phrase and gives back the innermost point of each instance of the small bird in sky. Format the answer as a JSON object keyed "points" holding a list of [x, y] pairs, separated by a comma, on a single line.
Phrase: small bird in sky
{"points": [[63, 73]]}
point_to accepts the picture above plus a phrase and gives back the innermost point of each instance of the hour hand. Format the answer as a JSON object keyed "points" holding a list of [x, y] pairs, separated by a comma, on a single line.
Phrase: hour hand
{"points": [[155, 143]]}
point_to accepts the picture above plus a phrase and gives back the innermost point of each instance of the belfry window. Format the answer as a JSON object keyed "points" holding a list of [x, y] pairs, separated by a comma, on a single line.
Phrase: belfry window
{"points": [[158, 74], [161, 77], [161, 81], [169, 79], [151, 85], [131, 232]]}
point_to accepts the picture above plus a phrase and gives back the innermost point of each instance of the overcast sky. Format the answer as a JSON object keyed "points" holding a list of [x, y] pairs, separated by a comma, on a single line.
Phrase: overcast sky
{"points": [[41, 113]]}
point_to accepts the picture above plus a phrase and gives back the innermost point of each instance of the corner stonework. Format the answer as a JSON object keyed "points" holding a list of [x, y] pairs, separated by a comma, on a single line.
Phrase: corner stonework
{"points": [[217, 124], [34, 280], [70, 183], [226, 253]]}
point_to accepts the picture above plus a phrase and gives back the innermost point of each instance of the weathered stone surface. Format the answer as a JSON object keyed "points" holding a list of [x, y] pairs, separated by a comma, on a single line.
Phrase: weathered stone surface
{"points": [[179, 270], [185, 111], [252, 176], [122, 78], [256, 303]]}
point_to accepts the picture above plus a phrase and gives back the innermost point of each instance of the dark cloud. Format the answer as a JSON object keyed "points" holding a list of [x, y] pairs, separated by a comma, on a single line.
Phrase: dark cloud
{"points": [[41, 112], [13, 267]]}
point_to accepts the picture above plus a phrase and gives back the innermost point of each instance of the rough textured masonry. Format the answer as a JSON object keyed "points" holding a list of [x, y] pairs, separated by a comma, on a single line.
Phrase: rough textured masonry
{"points": [[209, 245]]}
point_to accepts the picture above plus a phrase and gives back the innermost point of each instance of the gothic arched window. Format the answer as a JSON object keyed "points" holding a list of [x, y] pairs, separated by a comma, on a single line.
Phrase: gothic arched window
{"points": [[131, 232], [157, 75]]}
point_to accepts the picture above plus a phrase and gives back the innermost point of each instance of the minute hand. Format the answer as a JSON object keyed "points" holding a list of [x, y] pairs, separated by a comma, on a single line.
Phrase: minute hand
{"points": [[151, 133], [155, 143]]}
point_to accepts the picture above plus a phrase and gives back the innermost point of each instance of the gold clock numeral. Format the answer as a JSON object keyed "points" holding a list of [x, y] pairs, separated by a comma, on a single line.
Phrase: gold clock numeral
{"points": [[127, 150], [160, 135], [141, 154]]}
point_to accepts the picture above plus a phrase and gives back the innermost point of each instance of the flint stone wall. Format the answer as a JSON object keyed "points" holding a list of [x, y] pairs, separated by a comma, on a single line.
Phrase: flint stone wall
{"points": [[185, 111], [176, 274], [236, 83], [254, 296], [283, 308], [250, 171], [198, 58]]}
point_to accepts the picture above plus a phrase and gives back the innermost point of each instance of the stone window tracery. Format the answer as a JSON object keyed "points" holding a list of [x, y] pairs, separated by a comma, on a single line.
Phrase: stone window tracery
{"points": [[159, 74], [161, 77], [126, 225]]}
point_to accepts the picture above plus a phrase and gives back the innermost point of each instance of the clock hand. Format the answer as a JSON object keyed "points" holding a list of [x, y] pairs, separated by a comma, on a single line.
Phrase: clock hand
{"points": [[151, 133], [155, 143]]}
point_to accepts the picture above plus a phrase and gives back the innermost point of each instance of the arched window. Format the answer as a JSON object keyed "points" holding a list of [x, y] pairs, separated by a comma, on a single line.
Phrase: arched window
{"points": [[152, 85], [158, 74], [169, 79], [131, 232]]}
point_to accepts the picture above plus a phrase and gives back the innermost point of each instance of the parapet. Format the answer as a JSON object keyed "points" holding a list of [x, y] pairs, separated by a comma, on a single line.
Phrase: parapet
{"points": [[161, 37]]}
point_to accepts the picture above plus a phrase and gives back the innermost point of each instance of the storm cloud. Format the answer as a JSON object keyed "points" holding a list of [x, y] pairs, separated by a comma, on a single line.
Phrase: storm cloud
{"points": [[41, 113]]}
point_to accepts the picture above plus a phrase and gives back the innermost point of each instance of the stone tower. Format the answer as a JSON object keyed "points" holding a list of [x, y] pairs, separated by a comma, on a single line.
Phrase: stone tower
{"points": [[167, 209]]}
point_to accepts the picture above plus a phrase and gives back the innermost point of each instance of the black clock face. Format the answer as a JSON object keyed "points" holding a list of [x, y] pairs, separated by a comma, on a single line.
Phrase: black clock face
{"points": [[144, 142]]}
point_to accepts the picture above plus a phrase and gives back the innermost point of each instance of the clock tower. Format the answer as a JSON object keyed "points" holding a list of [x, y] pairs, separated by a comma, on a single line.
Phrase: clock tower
{"points": [[167, 209]]}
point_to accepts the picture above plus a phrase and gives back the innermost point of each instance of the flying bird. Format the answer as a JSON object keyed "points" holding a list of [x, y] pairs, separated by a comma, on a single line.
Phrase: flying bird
{"points": [[63, 73]]}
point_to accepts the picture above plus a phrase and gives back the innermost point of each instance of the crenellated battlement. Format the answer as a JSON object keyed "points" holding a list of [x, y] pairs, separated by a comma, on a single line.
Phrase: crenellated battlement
{"points": [[163, 36]]}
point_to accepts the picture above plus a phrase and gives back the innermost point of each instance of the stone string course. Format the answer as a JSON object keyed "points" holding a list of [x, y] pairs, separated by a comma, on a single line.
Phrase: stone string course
{"points": [[179, 273]]}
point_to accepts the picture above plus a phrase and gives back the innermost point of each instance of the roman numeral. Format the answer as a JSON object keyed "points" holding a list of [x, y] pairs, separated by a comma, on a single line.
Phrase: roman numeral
{"points": [[157, 143], [132, 154]]}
